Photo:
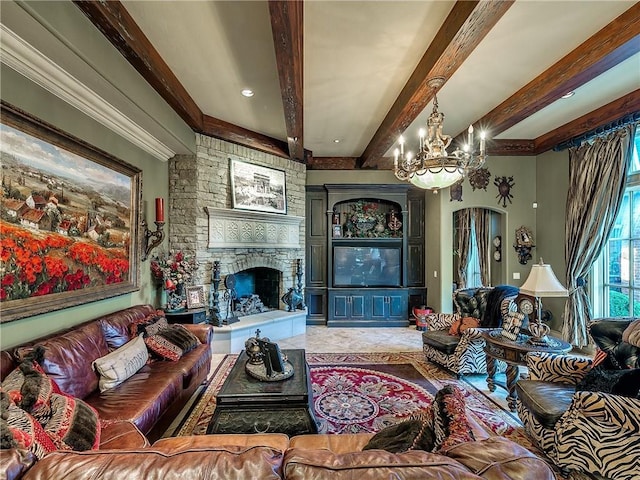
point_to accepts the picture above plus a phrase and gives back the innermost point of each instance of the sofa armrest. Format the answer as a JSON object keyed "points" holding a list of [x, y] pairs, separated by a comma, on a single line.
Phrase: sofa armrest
{"points": [[203, 331], [600, 433], [121, 434], [551, 367], [441, 321]]}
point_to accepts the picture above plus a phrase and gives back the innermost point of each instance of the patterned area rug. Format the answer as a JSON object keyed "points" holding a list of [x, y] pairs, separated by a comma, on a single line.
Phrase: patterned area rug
{"points": [[410, 380]]}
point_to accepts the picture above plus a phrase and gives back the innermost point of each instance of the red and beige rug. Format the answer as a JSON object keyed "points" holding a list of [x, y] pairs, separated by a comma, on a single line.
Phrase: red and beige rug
{"points": [[365, 392]]}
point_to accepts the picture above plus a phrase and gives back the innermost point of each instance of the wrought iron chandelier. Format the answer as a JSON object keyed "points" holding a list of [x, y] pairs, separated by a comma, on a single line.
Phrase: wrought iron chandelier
{"points": [[432, 167]]}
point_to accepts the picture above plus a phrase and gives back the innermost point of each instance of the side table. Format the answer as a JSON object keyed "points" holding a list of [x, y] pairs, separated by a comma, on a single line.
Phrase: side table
{"points": [[195, 315], [513, 353]]}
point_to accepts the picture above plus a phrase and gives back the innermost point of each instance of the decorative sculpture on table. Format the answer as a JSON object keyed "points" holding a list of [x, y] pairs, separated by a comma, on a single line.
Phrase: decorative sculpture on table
{"points": [[266, 362]]}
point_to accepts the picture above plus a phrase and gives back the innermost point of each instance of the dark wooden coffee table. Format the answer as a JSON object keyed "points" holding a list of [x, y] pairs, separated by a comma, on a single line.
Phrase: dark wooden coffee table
{"points": [[513, 353], [247, 405]]}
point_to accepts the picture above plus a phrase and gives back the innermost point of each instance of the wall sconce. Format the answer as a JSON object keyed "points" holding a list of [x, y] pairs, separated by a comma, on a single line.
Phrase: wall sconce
{"points": [[158, 235], [523, 244]]}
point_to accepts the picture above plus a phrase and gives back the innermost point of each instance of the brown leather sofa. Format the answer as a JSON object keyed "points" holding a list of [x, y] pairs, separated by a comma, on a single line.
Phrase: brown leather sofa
{"points": [[150, 399], [275, 456]]}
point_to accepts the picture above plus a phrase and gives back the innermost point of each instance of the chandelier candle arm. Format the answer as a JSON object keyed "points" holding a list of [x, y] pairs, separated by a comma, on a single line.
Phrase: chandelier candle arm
{"points": [[433, 167]]}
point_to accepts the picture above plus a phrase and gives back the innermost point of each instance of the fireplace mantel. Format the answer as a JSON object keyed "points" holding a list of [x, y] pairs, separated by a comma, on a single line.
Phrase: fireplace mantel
{"points": [[246, 229]]}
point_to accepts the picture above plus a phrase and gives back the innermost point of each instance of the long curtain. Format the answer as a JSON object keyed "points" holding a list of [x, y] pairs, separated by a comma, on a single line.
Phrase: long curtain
{"points": [[463, 223], [482, 219], [597, 177]]}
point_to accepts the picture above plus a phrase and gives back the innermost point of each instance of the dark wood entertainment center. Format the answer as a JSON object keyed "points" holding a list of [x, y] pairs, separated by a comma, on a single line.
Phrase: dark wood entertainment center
{"points": [[365, 254]]}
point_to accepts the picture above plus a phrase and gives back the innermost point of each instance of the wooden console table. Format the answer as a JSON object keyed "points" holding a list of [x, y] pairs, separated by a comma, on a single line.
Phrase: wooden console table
{"points": [[513, 353], [247, 405], [195, 315]]}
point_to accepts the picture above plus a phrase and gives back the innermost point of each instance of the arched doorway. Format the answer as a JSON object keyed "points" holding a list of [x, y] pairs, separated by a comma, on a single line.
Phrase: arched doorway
{"points": [[476, 238]]}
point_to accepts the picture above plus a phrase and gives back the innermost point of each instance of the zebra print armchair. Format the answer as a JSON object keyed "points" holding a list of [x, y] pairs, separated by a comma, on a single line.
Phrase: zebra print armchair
{"points": [[583, 433]]}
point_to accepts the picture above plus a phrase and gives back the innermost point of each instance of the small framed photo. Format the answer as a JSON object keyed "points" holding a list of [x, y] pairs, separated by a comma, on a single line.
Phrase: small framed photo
{"points": [[337, 231], [195, 297]]}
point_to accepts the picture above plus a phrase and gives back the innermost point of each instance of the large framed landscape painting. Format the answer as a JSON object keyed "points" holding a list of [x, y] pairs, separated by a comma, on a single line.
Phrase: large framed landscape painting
{"points": [[69, 219], [258, 188]]}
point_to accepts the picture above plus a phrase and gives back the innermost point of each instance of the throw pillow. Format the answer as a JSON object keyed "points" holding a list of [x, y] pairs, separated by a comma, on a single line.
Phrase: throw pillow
{"points": [[74, 424], [462, 324], [415, 433], [631, 334], [625, 383], [150, 325], [115, 367], [450, 424], [29, 387], [172, 342], [18, 429]]}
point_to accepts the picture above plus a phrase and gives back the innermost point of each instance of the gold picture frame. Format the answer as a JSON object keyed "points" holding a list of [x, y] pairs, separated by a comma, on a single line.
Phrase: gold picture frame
{"points": [[195, 297]]}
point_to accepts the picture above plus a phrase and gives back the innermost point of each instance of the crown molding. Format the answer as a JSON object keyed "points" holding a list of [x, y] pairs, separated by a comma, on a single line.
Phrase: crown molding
{"points": [[28, 61]]}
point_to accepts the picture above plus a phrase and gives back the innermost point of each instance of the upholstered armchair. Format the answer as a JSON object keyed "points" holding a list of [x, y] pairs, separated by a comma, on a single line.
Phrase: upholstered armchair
{"points": [[582, 432], [463, 353]]}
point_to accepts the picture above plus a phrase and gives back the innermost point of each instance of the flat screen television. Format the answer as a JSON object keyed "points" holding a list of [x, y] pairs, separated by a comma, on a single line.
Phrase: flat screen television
{"points": [[375, 266]]}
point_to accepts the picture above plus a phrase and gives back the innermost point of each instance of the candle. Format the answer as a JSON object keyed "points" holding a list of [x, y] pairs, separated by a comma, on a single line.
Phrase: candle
{"points": [[482, 146], [401, 142], [159, 209], [470, 137], [421, 135], [395, 158]]}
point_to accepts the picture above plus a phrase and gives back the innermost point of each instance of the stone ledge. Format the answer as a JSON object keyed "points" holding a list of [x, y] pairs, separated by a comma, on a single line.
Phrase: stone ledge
{"points": [[274, 324]]}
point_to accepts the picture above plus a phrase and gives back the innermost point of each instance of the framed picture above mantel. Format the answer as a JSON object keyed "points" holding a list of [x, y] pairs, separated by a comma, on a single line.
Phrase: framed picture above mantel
{"points": [[258, 188], [69, 219]]}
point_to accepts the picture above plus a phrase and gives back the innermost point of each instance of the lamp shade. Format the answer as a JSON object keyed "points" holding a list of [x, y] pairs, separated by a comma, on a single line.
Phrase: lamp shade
{"points": [[542, 282]]}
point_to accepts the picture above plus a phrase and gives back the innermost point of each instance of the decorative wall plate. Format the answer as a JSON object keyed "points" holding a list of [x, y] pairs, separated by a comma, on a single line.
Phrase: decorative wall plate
{"points": [[479, 179], [504, 185], [455, 191]]}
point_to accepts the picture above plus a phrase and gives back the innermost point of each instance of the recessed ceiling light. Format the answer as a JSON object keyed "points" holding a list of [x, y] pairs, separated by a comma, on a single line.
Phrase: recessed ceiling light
{"points": [[336, 141], [568, 94], [247, 92]]}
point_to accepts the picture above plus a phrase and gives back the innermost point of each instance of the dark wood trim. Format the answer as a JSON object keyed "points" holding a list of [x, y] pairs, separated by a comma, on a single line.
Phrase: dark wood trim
{"points": [[606, 114], [287, 25], [613, 44], [467, 24], [232, 133], [513, 147], [332, 163], [115, 23]]}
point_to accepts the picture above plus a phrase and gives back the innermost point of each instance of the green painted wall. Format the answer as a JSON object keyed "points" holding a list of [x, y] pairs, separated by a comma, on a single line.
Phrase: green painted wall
{"points": [[552, 179]]}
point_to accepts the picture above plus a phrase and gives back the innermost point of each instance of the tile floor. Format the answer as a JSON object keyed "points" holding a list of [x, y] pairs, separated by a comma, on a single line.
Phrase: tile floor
{"points": [[320, 339]]}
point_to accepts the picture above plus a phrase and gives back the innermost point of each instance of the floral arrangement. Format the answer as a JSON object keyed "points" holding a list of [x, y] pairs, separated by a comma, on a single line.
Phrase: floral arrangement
{"points": [[173, 270]]}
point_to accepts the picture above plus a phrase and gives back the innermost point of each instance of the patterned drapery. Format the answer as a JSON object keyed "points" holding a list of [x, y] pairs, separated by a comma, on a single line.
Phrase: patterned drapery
{"points": [[482, 219], [463, 229], [597, 177]]}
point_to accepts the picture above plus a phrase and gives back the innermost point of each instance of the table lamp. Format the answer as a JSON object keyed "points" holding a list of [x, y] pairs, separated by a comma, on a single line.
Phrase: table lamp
{"points": [[542, 282]]}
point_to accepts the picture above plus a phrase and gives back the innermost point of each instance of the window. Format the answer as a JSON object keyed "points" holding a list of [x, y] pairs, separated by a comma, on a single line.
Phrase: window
{"points": [[617, 274], [474, 278]]}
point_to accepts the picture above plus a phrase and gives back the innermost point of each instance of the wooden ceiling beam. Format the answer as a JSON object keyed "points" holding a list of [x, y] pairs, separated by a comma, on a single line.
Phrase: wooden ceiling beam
{"points": [[466, 25], [613, 44], [332, 163], [232, 133], [117, 25], [611, 112], [287, 25], [511, 147]]}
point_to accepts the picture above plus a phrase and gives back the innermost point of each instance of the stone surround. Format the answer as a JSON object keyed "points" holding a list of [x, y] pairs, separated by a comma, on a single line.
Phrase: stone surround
{"points": [[200, 196]]}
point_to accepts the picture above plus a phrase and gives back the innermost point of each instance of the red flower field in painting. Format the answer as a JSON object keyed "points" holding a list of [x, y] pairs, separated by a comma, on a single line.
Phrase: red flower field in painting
{"points": [[35, 264]]}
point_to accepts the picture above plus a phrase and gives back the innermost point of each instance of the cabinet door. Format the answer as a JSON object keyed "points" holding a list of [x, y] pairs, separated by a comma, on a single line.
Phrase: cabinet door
{"points": [[339, 306], [358, 306], [379, 309], [398, 306]]}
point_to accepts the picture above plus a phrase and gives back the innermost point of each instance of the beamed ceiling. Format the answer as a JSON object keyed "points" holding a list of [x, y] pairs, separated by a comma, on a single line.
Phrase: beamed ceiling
{"points": [[336, 82]]}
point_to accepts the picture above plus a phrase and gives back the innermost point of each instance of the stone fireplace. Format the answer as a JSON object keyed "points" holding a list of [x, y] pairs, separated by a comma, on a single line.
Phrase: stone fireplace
{"points": [[204, 222]]}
